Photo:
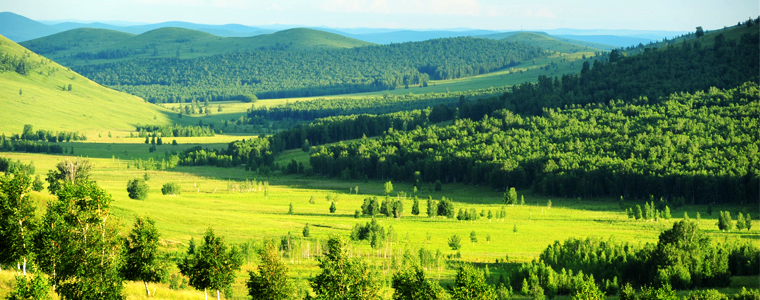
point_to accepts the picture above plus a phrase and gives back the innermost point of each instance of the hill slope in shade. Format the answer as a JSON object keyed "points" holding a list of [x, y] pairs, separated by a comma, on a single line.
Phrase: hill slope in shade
{"points": [[19, 28], [38, 98], [613, 40], [174, 42]]}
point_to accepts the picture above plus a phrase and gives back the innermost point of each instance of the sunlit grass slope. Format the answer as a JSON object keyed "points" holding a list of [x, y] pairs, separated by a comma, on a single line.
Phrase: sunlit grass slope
{"points": [[39, 99]]}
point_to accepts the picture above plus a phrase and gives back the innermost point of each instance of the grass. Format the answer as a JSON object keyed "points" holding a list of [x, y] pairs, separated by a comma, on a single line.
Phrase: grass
{"points": [[38, 99], [244, 216]]}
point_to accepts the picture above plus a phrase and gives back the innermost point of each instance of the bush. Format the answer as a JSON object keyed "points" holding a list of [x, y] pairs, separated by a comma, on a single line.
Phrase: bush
{"points": [[138, 189], [171, 188]]}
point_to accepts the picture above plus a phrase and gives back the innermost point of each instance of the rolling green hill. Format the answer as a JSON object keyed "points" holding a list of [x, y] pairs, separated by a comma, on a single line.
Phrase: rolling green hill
{"points": [[34, 90], [510, 35], [729, 33], [547, 42], [85, 46]]}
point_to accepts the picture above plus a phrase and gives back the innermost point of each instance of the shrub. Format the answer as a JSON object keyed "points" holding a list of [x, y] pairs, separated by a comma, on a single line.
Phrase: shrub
{"points": [[137, 189], [171, 188]]}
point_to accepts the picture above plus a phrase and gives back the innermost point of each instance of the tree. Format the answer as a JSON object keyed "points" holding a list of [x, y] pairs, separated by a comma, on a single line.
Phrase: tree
{"points": [[588, 291], [700, 32], [78, 243], [740, 222], [510, 197], [171, 188], [333, 208], [68, 171], [473, 237], [637, 213], [138, 189], [211, 266], [432, 210], [141, 253], [446, 208], [724, 221], [470, 284], [17, 219], [343, 277], [290, 208], [271, 282], [36, 288], [388, 188], [522, 200], [306, 231], [147, 140], [416, 207], [514, 229], [490, 215], [455, 242], [549, 204], [748, 222], [38, 185], [666, 214], [410, 284]]}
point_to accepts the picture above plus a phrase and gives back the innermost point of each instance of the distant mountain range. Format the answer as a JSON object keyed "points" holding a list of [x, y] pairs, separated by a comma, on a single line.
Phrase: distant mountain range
{"points": [[19, 28]]}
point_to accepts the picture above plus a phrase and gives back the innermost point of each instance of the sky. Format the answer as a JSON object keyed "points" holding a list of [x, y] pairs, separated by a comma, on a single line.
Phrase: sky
{"points": [[672, 15]]}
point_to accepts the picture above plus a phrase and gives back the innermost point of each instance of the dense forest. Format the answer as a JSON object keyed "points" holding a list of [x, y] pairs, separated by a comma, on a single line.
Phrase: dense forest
{"points": [[651, 76], [284, 74], [321, 108], [701, 146]]}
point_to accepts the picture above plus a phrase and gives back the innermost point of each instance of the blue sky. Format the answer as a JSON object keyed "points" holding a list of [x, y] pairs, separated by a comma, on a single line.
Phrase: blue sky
{"points": [[415, 14]]}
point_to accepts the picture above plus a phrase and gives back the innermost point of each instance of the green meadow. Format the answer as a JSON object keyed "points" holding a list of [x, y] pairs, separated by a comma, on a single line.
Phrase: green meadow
{"points": [[224, 199]]}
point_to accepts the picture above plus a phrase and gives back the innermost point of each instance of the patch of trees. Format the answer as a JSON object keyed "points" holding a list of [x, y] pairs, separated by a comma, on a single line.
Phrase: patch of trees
{"points": [[47, 136], [13, 63], [684, 258], [698, 146], [253, 153], [647, 78], [322, 108], [270, 73], [175, 130], [7, 165], [103, 54], [19, 145]]}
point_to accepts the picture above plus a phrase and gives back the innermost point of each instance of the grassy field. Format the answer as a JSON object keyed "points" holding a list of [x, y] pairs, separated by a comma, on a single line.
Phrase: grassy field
{"points": [[39, 99], [243, 215]]}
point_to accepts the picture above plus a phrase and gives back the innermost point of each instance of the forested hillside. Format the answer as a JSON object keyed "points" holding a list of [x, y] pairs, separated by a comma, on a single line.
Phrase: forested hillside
{"points": [[700, 146], [282, 74]]}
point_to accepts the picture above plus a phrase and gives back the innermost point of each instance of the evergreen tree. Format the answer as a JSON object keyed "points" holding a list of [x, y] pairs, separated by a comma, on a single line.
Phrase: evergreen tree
{"points": [[271, 282], [473, 237], [637, 213], [333, 208], [388, 188], [290, 208], [211, 266], [522, 200], [141, 256], [306, 231], [666, 214], [416, 207], [510, 197], [748, 222]]}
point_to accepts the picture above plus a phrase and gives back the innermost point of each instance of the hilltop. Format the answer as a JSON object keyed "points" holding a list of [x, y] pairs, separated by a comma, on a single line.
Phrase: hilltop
{"points": [[35, 90], [549, 43], [174, 42]]}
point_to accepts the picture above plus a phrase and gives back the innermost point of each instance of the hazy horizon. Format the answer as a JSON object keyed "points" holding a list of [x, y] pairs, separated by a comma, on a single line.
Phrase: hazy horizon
{"points": [[395, 14]]}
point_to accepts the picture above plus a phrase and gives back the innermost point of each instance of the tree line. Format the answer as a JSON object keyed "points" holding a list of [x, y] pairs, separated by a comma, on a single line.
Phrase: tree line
{"points": [[269, 73], [48, 136], [174, 130], [322, 108], [698, 146]]}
